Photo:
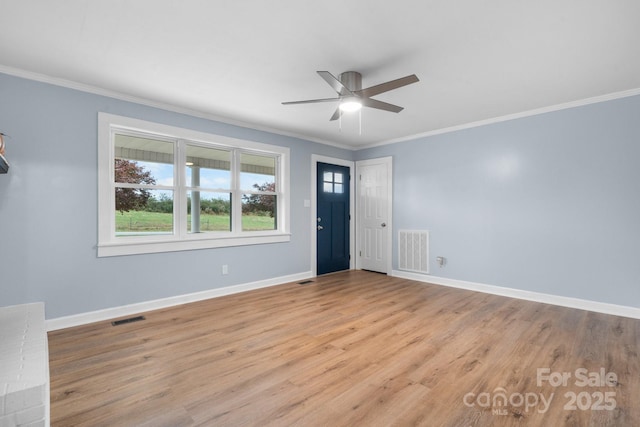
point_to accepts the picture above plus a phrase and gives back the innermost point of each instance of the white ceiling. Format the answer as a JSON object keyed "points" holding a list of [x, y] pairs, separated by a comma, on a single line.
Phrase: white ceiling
{"points": [[238, 60]]}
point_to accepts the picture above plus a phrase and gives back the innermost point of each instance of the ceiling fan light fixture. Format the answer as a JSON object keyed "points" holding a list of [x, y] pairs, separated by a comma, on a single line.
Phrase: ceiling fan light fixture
{"points": [[349, 105], [351, 96]]}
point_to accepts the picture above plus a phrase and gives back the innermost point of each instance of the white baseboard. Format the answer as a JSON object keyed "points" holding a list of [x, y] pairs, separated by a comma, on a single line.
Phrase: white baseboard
{"points": [[582, 304], [126, 310]]}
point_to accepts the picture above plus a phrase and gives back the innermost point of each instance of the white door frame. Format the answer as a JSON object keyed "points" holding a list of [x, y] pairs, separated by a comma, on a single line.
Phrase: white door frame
{"points": [[315, 159], [389, 249]]}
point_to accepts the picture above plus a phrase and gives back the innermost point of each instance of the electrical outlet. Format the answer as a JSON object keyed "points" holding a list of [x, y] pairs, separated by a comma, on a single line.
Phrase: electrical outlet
{"points": [[442, 261], [225, 269]]}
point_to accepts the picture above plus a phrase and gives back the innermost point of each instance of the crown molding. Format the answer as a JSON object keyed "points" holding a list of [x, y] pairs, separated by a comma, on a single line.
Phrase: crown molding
{"points": [[508, 117], [95, 90], [43, 78]]}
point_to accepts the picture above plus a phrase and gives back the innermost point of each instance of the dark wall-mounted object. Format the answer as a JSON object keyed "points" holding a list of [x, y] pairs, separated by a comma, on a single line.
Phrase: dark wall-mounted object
{"points": [[4, 165]]}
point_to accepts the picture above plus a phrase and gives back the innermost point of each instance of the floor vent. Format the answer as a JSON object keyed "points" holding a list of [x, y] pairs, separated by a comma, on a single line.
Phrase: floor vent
{"points": [[413, 250], [129, 320], [305, 282]]}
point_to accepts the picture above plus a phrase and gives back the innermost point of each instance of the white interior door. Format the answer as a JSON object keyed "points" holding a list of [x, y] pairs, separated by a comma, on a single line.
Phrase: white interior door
{"points": [[374, 214]]}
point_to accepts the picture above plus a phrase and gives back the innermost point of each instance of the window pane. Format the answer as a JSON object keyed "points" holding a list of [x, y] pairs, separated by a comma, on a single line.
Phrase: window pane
{"points": [[338, 188], [338, 177], [328, 187], [143, 212], [208, 167], [214, 209], [143, 160], [257, 172], [328, 177], [259, 212]]}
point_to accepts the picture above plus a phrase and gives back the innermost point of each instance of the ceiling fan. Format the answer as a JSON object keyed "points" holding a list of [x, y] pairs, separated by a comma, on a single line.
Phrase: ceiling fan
{"points": [[352, 97]]}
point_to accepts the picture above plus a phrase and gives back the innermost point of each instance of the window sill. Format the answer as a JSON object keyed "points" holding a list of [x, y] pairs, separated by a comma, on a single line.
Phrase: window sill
{"points": [[157, 246]]}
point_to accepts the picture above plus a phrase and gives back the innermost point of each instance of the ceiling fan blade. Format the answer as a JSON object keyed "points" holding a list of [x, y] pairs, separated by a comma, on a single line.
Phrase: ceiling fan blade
{"points": [[374, 103], [311, 101], [335, 83], [336, 115], [385, 87]]}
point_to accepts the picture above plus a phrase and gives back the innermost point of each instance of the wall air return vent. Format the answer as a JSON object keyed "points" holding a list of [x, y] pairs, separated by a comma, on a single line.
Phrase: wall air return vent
{"points": [[413, 251]]}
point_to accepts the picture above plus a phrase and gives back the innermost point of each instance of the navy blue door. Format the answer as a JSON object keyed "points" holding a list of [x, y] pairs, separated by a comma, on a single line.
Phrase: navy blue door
{"points": [[333, 218]]}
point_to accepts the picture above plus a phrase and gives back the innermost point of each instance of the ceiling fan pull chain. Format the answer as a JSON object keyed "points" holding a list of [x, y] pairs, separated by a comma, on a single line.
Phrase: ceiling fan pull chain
{"points": [[360, 121]]}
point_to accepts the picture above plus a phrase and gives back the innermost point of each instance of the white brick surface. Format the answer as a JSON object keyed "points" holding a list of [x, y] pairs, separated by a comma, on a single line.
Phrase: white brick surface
{"points": [[31, 415], [24, 366], [3, 392], [8, 420], [24, 395]]}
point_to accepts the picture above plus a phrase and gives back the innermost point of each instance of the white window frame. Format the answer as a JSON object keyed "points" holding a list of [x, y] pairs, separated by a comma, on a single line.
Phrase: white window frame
{"points": [[180, 240]]}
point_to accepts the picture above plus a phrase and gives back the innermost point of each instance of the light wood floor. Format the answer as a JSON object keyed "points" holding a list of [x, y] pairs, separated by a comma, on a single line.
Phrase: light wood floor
{"points": [[349, 349]]}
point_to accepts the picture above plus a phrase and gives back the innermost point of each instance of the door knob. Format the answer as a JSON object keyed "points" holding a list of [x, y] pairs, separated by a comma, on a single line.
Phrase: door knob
{"points": [[383, 225], [320, 227]]}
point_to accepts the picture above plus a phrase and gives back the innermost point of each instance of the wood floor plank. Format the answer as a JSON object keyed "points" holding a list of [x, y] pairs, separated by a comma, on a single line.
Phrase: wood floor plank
{"points": [[349, 349]]}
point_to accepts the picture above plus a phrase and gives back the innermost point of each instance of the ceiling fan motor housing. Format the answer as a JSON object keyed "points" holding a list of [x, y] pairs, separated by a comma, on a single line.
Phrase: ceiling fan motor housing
{"points": [[352, 80], [352, 97]]}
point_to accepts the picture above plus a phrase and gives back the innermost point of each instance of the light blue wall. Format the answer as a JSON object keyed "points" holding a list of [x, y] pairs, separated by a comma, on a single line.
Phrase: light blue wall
{"points": [[548, 203], [48, 209]]}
